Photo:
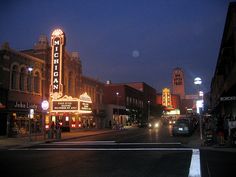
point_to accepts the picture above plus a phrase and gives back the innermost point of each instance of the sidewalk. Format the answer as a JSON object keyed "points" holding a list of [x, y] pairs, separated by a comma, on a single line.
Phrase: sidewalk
{"points": [[196, 142], [6, 143]]}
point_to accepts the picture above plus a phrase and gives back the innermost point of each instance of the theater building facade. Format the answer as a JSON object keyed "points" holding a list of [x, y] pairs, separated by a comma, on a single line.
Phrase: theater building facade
{"points": [[48, 72]]}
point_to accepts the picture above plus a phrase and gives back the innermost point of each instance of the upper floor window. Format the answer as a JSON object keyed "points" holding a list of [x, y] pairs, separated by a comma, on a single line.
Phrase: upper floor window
{"points": [[70, 84], [14, 75], [29, 82], [36, 82], [22, 79]]}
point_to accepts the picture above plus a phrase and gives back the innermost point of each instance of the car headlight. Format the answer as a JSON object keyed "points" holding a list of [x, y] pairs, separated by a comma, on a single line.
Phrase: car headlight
{"points": [[156, 125], [149, 125]]}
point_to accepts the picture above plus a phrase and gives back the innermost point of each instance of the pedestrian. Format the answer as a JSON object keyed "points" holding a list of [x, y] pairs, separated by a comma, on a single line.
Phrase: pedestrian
{"points": [[226, 127], [52, 129], [110, 125], [220, 131], [94, 124]]}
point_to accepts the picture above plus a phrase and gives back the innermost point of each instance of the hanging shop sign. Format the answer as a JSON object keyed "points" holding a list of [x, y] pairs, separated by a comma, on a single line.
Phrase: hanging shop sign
{"points": [[22, 105], [230, 98], [45, 105], [57, 43]]}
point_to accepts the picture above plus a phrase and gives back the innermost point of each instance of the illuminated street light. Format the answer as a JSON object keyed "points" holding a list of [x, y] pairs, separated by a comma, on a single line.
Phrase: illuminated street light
{"points": [[201, 93], [117, 94], [148, 109], [30, 69], [44, 106], [31, 111], [198, 82]]}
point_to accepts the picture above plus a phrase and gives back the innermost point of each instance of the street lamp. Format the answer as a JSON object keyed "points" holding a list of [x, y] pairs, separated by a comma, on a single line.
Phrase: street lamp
{"points": [[30, 69], [31, 111], [198, 82], [117, 94], [45, 106], [148, 109]]}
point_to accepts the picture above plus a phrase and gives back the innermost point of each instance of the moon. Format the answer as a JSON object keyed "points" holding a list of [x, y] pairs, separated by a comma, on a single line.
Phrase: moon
{"points": [[135, 53]]}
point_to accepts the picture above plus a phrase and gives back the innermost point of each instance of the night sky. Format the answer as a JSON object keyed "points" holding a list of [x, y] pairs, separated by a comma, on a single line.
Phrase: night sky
{"points": [[125, 40]]}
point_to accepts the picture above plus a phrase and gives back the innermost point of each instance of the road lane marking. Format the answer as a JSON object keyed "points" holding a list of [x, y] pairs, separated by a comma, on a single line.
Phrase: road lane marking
{"points": [[83, 143], [104, 149], [174, 143], [104, 143], [195, 166]]}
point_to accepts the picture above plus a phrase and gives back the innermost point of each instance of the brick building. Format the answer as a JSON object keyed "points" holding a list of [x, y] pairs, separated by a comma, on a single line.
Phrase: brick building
{"points": [[22, 89], [95, 89], [132, 102], [123, 104]]}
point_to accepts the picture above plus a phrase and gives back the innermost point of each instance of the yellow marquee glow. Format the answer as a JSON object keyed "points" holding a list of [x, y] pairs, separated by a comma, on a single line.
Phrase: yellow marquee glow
{"points": [[73, 105], [166, 98], [57, 32]]}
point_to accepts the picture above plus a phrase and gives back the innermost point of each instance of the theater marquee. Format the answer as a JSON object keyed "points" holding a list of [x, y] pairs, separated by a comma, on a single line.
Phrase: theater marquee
{"points": [[65, 105], [69, 104], [85, 103], [60, 103]]}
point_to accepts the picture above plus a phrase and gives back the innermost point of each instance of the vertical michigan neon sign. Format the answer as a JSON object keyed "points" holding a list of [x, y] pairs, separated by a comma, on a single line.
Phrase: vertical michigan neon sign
{"points": [[57, 43]]}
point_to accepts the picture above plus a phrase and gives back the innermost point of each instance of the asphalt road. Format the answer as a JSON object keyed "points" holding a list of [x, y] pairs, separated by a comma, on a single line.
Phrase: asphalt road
{"points": [[128, 153]]}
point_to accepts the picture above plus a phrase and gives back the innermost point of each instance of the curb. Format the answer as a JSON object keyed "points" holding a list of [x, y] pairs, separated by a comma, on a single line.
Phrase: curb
{"points": [[54, 140]]}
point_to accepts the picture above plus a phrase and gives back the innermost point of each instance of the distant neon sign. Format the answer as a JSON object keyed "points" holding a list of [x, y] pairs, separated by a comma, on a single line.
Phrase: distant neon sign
{"points": [[166, 98]]}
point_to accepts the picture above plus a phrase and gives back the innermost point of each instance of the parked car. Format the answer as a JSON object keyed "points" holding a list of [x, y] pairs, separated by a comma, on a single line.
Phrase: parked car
{"points": [[182, 126]]}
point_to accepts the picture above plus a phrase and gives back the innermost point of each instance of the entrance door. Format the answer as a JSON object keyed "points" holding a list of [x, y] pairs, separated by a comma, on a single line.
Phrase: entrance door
{"points": [[3, 124]]}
